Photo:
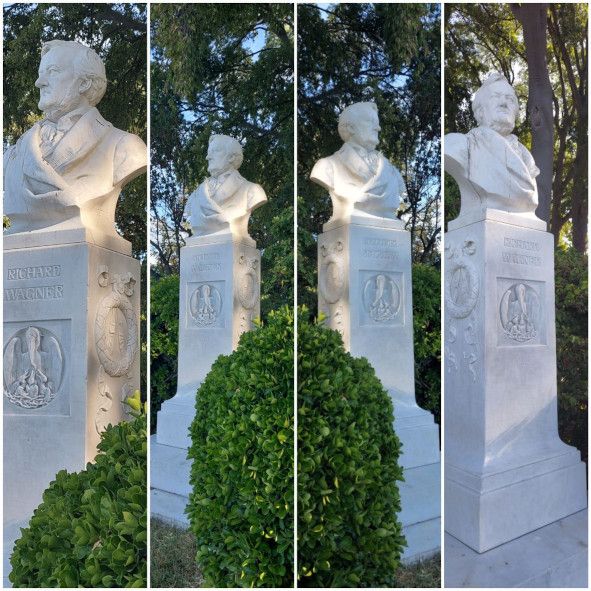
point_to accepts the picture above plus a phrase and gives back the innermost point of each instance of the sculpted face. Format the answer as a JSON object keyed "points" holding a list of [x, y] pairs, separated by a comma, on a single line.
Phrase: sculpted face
{"points": [[499, 108], [61, 89], [219, 157], [365, 129]]}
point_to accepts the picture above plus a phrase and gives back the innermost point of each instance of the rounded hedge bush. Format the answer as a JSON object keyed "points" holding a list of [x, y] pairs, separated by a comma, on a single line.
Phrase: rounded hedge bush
{"points": [[91, 528], [348, 499], [241, 508]]}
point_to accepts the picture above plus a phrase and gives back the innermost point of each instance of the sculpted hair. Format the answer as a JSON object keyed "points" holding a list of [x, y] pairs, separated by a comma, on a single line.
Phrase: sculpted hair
{"points": [[481, 93], [233, 148], [348, 116], [87, 65]]}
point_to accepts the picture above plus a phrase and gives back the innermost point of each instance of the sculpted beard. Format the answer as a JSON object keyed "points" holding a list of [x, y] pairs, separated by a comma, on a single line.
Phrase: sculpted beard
{"points": [[67, 100]]}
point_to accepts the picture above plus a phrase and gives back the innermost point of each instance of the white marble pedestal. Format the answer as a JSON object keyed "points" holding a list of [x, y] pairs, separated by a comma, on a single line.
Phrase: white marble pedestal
{"points": [[219, 299], [507, 471], [71, 339], [365, 290]]}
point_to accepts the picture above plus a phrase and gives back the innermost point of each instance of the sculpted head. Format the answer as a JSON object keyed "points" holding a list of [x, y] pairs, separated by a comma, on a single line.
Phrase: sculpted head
{"points": [[495, 104], [71, 75], [359, 124], [224, 154]]}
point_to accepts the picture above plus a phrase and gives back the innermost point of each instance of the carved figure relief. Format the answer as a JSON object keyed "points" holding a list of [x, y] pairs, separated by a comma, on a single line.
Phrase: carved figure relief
{"points": [[520, 312], [331, 279], [462, 285], [33, 367], [115, 327], [205, 305], [381, 298]]}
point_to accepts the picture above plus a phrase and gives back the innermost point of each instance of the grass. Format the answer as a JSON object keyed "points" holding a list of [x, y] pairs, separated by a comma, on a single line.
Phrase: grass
{"points": [[172, 557], [426, 574], [172, 562]]}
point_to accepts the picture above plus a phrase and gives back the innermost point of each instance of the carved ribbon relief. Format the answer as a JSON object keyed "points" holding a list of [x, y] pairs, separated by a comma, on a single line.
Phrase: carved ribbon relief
{"points": [[462, 291], [33, 367], [248, 289], [115, 327], [331, 282]]}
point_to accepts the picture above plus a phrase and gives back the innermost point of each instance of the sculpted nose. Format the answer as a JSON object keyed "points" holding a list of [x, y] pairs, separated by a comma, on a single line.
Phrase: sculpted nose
{"points": [[40, 82]]}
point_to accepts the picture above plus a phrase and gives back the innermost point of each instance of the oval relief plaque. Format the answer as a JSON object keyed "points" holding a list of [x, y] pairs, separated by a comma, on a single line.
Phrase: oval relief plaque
{"points": [[33, 367], [461, 288], [115, 333]]}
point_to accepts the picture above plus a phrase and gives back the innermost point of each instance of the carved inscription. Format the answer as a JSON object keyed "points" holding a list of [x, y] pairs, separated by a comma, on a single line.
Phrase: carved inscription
{"points": [[38, 272], [43, 292], [380, 249], [529, 257], [39, 292], [33, 367], [207, 261]]}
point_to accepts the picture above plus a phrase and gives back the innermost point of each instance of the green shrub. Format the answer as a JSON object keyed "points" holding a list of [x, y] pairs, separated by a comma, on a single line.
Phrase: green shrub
{"points": [[164, 335], [241, 508], [571, 346], [348, 499], [91, 528], [426, 299]]}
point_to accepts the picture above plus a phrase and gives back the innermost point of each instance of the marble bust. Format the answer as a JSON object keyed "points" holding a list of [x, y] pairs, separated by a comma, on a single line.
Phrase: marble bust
{"points": [[492, 168], [67, 170], [223, 202], [361, 181]]}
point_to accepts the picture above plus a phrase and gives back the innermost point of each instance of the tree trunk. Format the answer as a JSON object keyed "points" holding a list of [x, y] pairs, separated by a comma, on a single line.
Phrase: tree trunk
{"points": [[533, 19]]}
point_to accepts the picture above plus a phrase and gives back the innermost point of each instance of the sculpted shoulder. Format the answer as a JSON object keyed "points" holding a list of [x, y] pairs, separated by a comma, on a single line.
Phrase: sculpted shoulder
{"points": [[322, 173], [131, 158], [455, 152], [256, 196]]}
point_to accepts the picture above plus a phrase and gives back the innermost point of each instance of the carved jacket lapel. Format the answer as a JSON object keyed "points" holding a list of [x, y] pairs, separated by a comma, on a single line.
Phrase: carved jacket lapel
{"points": [[77, 143]]}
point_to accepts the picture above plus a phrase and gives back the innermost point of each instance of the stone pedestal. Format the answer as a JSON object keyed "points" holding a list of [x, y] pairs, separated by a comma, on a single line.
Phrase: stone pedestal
{"points": [[507, 471], [71, 340], [365, 290], [219, 299]]}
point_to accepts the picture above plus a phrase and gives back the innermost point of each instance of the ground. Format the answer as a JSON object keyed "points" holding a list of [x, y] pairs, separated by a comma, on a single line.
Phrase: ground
{"points": [[173, 564]]}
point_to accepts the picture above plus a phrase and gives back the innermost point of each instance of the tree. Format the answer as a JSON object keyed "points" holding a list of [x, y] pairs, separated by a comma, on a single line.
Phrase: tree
{"points": [[388, 53], [220, 68]]}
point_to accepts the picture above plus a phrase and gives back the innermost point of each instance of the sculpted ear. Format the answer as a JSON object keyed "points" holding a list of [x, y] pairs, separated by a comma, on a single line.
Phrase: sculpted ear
{"points": [[85, 85]]}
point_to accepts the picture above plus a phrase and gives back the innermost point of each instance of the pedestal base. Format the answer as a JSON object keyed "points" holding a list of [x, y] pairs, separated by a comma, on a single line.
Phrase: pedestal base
{"points": [[169, 482], [485, 513], [420, 493], [552, 556]]}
